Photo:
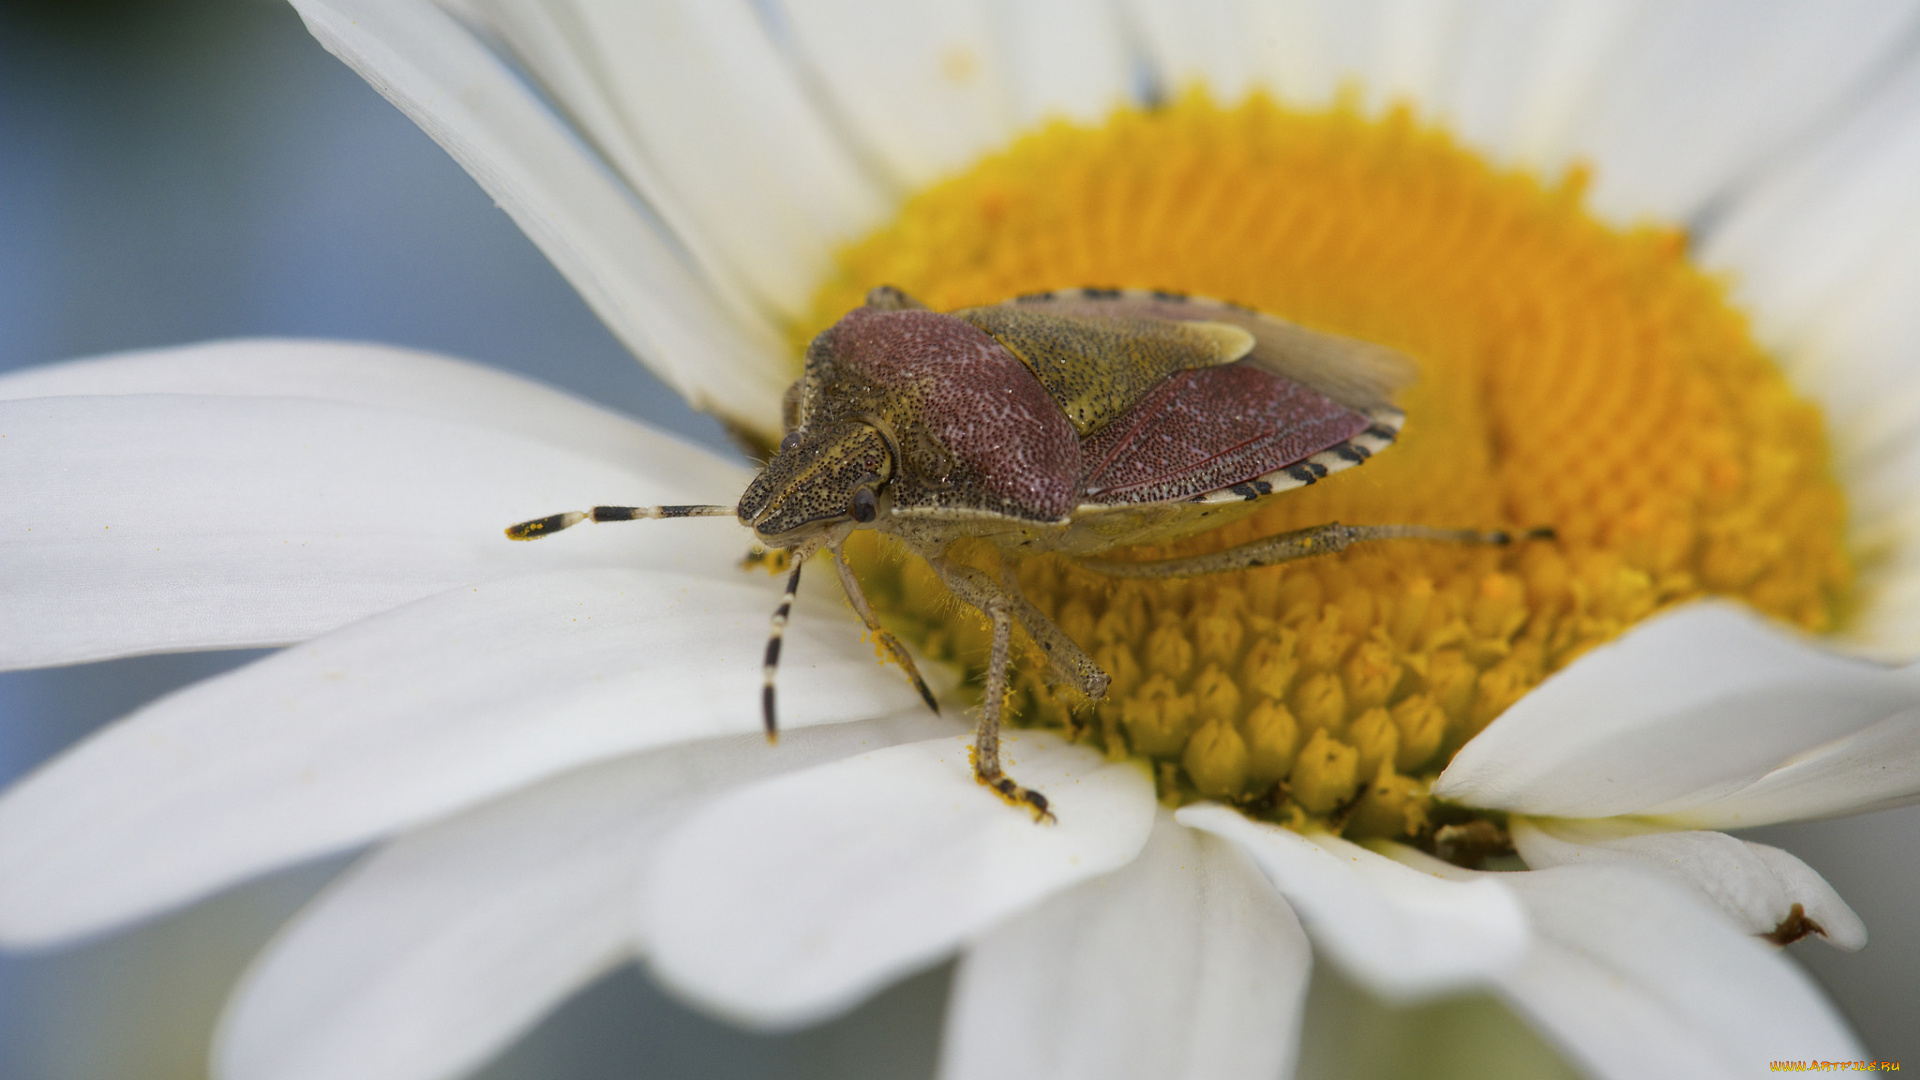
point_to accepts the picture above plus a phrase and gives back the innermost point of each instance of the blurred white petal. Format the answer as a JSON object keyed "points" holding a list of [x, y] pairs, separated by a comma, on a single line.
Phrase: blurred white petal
{"points": [[473, 928], [1185, 963], [1755, 884], [1064, 58], [793, 899], [1685, 708], [1700, 93], [718, 355], [1403, 933], [403, 717], [153, 523]]}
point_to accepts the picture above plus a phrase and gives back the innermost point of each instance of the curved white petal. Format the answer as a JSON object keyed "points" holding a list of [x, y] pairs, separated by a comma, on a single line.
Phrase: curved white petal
{"points": [[720, 356], [694, 105], [473, 928], [1686, 708], [1402, 932], [1185, 963], [1875, 768], [793, 899], [923, 87], [1755, 884], [403, 717], [1635, 976], [151, 523], [385, 377]]}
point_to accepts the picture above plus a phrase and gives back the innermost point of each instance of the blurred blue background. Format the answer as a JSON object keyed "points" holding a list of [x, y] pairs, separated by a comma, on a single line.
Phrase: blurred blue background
{"points": [[178, 170]]}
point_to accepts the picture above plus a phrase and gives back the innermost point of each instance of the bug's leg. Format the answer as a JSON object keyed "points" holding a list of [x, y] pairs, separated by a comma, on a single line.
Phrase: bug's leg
{"points": [[1070, 662], [1325, 539], [553, 523], [982, 592], [898, 652], [771, 665]]}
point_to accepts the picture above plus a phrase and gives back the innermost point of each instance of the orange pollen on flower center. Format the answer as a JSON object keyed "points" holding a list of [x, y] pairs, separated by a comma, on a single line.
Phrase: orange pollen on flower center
{"points": [[1573, 375]]}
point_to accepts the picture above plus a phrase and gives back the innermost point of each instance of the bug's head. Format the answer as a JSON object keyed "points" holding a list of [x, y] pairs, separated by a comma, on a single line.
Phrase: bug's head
{"points": [[820, 479]]}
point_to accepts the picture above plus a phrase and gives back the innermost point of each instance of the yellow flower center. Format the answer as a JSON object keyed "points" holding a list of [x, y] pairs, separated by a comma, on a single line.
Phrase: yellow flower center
{"points": [[1573, 375]]}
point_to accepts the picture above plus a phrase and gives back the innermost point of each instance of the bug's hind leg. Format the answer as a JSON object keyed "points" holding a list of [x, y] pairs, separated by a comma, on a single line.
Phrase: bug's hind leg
{"points": [[898, 652], [553, 523], [982, 592], [1327, 539]]}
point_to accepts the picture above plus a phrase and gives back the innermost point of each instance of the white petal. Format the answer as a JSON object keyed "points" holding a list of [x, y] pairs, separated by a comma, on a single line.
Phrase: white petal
{"points": [[401, 718], [696, 107], [473, 928], [924, 87], [1402, 932], [796, 898], [719, 356], [1635, 976], [384, 377], [152, 523], [1524, 72], [1755, 884], [1698, 94], [1876, 768], [1064, 58], [1809, 238], [1685, 708], [1185, 964]]}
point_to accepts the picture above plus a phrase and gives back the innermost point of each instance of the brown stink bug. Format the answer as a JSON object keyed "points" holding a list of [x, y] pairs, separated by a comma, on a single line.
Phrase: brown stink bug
{"points": [[1075, 422]]}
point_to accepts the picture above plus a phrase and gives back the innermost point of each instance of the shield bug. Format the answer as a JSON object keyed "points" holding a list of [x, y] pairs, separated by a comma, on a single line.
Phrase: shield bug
{"points": [[1076, 422]]}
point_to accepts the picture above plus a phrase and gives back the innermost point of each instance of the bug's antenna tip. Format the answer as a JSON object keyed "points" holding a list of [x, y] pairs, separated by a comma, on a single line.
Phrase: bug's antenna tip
{"points": [[539, 527]]}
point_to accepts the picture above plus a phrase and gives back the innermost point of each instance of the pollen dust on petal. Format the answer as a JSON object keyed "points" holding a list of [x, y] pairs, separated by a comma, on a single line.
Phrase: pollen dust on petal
{"points": [[1573, 375]]}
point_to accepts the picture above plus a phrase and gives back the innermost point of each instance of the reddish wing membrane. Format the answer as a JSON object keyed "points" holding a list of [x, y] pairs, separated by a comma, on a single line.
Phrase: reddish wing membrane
{"points": [[1208, 429]]}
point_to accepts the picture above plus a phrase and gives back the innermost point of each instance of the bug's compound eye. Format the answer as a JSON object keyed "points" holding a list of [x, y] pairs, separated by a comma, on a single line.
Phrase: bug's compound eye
{"points": [[863, 507], [791, 443]]}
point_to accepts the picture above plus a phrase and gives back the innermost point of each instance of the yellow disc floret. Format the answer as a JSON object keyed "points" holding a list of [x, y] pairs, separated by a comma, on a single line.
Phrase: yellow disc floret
{"points": [[1573, 375]]}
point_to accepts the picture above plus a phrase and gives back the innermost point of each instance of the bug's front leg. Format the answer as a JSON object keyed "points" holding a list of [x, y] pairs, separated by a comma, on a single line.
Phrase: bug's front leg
{"points": [[998, 605]]}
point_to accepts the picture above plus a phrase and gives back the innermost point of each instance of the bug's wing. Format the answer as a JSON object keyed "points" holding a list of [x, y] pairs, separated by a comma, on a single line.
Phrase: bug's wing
{"points": [[1098, 364], [1355, 373], [1209, 430]]}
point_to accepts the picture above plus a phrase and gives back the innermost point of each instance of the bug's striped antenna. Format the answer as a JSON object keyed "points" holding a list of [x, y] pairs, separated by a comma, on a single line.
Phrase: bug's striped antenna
{"points": [[553, 523], [771, 665]]}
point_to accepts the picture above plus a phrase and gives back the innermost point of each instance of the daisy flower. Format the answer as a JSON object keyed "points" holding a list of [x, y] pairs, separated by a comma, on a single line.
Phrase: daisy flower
{"points": [[553, 747]]}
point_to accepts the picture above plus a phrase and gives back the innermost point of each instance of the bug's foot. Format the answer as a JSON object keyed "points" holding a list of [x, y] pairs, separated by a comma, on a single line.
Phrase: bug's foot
{"points": [[1015, 795]]}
